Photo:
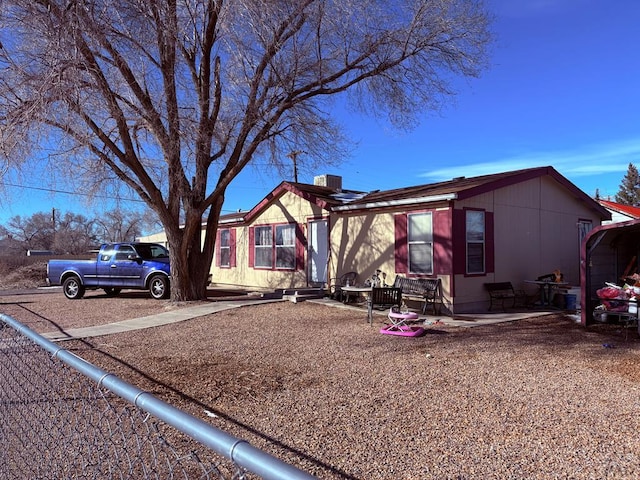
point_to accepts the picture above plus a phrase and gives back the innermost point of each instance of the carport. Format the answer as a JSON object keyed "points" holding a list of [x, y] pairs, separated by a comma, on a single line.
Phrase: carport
{"points": [[608, 253]]}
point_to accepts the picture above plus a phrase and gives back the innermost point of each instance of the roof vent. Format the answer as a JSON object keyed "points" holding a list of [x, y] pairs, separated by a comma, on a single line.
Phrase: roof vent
{"points": [[332, 181]]}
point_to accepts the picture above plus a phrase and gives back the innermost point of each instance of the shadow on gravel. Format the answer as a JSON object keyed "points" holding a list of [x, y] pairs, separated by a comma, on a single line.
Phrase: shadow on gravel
{"points": [[606, 347], [48, 321], [161, 389]]}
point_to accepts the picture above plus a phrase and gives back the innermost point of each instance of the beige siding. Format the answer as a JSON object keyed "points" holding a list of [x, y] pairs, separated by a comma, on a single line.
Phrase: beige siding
{"points": [[366, 243], [288, 208], [362, 243], [535, 233]]}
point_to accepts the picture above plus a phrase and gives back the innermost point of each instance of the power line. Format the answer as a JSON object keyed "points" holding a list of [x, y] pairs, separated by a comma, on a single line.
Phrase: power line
{"points": [[80, 194], [66, 192]]}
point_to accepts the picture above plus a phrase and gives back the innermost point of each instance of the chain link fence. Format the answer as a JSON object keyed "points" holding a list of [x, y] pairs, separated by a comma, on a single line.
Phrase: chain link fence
{"points": [[61, 417]]}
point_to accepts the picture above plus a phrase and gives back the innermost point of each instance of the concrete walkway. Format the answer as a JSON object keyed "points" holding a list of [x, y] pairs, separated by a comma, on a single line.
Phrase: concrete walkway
{"points": [[459, 320], [157, 320], [182, 314]]}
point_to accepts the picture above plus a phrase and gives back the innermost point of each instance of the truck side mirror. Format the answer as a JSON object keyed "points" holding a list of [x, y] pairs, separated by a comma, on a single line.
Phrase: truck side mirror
{"points": [[134, 257]]}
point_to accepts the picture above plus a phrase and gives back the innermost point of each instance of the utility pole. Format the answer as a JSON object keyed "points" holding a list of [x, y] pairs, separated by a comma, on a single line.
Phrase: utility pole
{"points": [[53, 223], [294, 156]]}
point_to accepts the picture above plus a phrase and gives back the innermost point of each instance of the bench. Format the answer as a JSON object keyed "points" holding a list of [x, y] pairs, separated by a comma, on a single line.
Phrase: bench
{"points": [[502, 292], [426, 290]]}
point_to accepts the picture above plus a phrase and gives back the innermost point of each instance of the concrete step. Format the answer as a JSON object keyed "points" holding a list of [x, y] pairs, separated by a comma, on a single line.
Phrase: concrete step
{"points": [[296, 295]]}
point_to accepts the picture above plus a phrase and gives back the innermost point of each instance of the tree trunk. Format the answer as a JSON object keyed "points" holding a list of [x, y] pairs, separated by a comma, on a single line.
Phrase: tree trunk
{"points": [[190, 266], [189, 276]]}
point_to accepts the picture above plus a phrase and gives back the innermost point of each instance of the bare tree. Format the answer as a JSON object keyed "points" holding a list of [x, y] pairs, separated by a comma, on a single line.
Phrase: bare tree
{"points": [[32, 233], [121, 225], [75, 234], [67, 233], [176, 97]]}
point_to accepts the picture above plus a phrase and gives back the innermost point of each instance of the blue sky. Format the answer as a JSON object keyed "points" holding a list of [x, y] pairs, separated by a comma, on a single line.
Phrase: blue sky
{"points": [[563, 90]]}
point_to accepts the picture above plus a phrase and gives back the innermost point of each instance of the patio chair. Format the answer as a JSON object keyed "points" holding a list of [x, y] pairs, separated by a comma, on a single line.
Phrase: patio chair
{"points": [[384, 297], [335, 283], [549, 290]]}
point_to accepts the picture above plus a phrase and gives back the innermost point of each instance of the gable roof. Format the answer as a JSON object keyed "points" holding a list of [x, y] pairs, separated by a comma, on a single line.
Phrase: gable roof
{"points": [[628, 210], [324, 197], [462, 188], [340, 200]]}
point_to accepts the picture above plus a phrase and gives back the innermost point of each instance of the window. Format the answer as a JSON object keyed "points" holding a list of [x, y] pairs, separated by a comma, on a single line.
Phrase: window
{"points": [[584, 227], [149, 251], [263, 247], [475, 241], [225, 248], [420, 242], [286, 246], [275, 247], [107, 252], [124, 252]]}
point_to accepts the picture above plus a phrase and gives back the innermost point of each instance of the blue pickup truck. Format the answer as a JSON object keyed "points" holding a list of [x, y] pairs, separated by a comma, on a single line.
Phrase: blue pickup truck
{"points": [[139, 266]]}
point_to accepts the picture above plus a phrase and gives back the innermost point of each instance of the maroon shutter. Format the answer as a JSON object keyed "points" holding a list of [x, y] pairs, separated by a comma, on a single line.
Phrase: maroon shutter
{"points": [[459, 242], [218, 245], [442, 252], [401, 246], [489, 243], [300, 247], [252, 246], [232, 247]]}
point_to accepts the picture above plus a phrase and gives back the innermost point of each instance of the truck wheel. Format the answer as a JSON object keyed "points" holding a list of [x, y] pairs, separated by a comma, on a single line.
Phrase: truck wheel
{"points": [[111, 291], [72, 288], [159, 287]]}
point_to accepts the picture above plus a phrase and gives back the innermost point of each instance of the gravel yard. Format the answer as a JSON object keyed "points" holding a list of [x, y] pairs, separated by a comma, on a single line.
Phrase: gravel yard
{"points": [[320, 388]]}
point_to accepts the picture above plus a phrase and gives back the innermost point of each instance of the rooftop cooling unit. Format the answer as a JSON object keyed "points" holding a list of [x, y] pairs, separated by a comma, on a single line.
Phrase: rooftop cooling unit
{"points": [[332, 181]]}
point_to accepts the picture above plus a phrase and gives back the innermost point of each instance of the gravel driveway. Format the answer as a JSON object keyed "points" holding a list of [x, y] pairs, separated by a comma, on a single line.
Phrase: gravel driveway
{"points": [[320, 388]]}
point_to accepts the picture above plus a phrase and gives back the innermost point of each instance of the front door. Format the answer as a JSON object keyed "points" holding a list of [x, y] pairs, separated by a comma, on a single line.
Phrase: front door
{"points": [[318, 251]]}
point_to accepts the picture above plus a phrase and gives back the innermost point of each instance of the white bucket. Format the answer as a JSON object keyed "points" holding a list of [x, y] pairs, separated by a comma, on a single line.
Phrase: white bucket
{"points": [[575, 291]]}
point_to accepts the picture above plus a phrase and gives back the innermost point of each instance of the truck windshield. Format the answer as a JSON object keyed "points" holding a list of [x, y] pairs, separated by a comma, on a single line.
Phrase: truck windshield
{"points": [[151, 251]]}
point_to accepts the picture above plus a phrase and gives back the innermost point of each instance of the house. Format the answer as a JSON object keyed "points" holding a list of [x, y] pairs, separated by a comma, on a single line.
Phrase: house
{"points": [[510, 226], [620, 212]]}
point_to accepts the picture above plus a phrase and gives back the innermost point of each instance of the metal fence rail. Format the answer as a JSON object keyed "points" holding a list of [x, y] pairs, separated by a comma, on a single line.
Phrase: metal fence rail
{"points": [[62, 417]]}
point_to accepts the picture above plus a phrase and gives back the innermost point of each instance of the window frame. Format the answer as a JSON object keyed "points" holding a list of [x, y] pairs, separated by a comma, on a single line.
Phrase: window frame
{"points": [[415, 243], [289, 246], [584, 227], [266, 247], [473, 241], [257, 251], [225, 248]]}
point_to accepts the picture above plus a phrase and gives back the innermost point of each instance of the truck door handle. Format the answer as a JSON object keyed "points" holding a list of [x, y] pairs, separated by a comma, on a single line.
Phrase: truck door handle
{"points": [[113, 266]]}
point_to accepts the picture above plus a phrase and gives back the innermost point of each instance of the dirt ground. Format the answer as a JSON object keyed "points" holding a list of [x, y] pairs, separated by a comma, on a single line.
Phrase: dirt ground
{"points": [[321, 389]]}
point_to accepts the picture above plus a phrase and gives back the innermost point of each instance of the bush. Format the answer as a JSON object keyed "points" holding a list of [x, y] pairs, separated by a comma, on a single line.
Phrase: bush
{"points": [[22, 272]]}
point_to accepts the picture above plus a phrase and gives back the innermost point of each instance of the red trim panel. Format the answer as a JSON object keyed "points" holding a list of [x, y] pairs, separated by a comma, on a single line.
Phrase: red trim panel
{"points": [[401, 247], [232, 247], [252, 246]]}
